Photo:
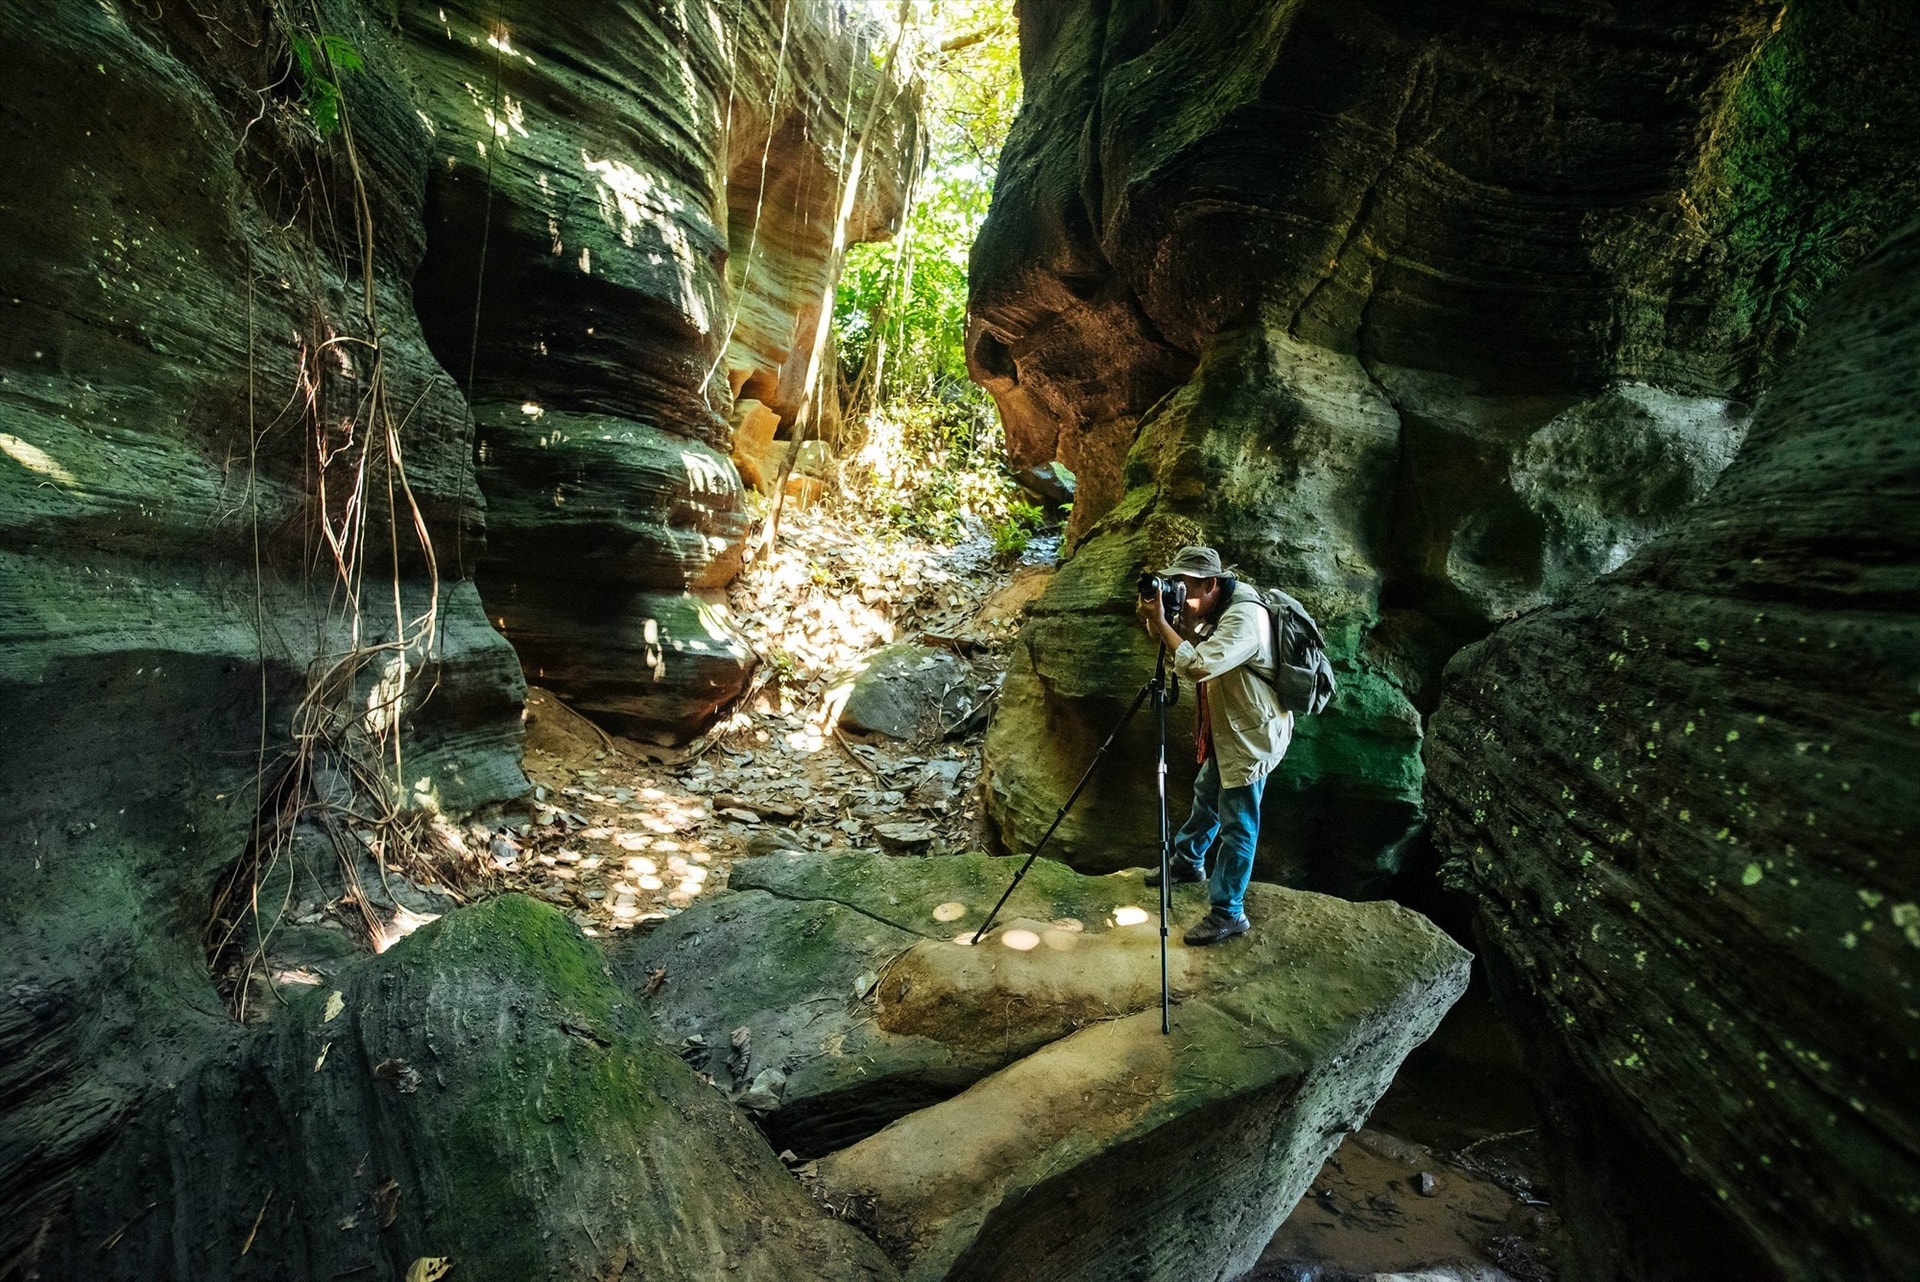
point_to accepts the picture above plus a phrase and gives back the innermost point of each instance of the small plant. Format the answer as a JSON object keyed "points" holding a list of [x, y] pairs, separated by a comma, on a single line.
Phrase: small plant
{"points": [[317, 59], [1012, 535]]}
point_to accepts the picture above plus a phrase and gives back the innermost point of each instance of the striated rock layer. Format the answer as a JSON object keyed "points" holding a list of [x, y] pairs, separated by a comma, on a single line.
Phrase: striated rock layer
{"points": [[630, 209], [1684, 802], [213, 396], [1428, 314], [239, 520]]}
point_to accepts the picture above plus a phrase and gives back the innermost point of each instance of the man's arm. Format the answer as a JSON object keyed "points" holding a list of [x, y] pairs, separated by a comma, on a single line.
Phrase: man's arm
{"points": [[1235, 641]]}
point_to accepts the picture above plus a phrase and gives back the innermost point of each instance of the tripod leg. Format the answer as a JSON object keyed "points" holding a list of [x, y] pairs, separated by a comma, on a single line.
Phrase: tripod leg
{"points": [[1166, 842], [1072, 797]]}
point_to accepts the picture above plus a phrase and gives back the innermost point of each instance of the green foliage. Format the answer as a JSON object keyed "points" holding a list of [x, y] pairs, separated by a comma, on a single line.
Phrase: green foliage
{"points": [[1012, 535], [900, 315], [317, 62], [934, 454]]}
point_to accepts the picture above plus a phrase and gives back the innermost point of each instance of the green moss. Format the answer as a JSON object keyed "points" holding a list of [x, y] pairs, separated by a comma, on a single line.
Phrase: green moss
{"points": [[1803, 198]]}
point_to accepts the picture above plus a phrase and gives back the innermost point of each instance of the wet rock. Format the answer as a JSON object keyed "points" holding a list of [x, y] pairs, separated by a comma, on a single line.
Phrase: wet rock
{"points": [[1690, 786], [851, 972]]}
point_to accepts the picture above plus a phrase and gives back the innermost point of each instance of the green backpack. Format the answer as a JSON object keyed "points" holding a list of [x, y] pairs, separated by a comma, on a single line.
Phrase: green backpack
{"points": [[1302, 674]]}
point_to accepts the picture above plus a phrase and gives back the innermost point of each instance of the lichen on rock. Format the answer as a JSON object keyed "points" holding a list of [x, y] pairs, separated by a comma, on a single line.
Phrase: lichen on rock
{"points": [[1680, 800]]}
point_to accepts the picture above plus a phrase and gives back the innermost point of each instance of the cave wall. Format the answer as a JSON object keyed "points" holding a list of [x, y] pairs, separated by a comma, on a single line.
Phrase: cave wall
{"points": [[630, 213], [1427, 315], [240, 501], [1683, 802], [186, 333]]}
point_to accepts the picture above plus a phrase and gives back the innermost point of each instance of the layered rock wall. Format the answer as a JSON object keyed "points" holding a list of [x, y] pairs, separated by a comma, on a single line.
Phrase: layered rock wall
{"points": [[1683, 801], [230, 463], [630, 212], [1428, 315], [240, 514]]}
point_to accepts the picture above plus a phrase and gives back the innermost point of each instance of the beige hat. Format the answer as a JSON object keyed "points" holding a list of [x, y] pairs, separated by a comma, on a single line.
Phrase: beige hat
{"points": [[1195, 562]]}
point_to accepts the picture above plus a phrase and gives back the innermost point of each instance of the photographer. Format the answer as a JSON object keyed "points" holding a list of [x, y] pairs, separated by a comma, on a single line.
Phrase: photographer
{"points": [[1225, 647]]}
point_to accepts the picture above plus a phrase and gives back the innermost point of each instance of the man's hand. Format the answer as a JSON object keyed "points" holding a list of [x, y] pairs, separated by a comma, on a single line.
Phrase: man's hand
{"points": [[1153, 614]]}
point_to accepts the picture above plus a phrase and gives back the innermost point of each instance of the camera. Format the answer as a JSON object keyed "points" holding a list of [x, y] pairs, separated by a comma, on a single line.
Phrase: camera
{"points": [[1172, 593]]}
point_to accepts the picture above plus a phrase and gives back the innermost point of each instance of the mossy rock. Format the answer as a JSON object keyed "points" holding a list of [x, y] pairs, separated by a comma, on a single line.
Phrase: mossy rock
{"points": [[1116, 1151], [1037, 1053], [482, 1093]]}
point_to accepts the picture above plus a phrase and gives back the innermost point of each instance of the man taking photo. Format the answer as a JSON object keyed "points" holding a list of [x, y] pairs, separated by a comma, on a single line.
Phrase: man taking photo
{"points": [[1225, 647]]}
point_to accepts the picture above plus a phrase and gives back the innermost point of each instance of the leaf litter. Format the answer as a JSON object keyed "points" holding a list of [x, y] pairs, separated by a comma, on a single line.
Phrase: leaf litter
{"points": [[624, 834]]}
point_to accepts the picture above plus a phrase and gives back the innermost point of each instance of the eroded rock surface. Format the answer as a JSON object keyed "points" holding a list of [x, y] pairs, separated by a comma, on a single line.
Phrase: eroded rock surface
{"points": [[483, 1095], [239, 520], [1427, 315], [1041, 1124], [196, 392], [629, 221], [1684, 802]]}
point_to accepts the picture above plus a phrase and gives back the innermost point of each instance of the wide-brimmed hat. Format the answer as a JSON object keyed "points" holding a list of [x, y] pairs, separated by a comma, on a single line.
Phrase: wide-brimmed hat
{"points": [[1195, 562]]}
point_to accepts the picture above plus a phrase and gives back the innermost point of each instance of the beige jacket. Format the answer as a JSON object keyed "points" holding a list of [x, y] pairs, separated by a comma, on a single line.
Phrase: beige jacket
{"points": [[1251, 730]]}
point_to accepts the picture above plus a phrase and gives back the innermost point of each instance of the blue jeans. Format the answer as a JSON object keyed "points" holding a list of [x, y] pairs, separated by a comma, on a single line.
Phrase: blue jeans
{"points": [[1233, 814]]}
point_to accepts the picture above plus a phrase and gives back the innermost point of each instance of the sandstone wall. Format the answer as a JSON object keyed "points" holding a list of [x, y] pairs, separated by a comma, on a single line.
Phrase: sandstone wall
{"points": [[1436, 315], [1429, 315], [240, 514], [195, 395], [1683, 801], [629, 214]]}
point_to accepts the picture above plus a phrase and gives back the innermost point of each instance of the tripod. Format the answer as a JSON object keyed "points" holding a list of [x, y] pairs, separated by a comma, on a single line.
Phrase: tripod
{"points": [[1163, 688]]}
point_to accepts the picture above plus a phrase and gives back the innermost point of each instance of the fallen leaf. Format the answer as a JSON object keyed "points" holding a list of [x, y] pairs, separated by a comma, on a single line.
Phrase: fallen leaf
{"points": [[429, 1268], [386, 1200], [656, 980], [323, 1056], [335, 1004]]}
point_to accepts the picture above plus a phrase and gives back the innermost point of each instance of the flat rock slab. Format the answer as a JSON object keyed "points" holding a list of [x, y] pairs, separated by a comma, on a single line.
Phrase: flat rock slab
{"points": [[1040, 1124]]}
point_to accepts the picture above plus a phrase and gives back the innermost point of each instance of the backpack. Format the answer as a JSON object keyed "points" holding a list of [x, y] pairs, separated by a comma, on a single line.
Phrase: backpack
{"points": [[1302, 674]]}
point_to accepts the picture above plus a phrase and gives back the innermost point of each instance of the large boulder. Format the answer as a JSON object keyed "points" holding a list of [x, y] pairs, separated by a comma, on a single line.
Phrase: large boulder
{"points": [[1036, 1120], [905, 691], [629, 221], [483, 1096], [1683, 804], [1425, 314]]}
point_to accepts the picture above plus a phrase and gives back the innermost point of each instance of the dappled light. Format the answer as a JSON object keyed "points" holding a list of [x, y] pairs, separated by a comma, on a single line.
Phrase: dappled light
{"points": [[34, 459]]}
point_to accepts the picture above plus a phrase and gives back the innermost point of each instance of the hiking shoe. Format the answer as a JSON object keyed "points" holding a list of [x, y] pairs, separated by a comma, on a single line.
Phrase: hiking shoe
{"points": [[1216, 926], [1181, 871]]}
